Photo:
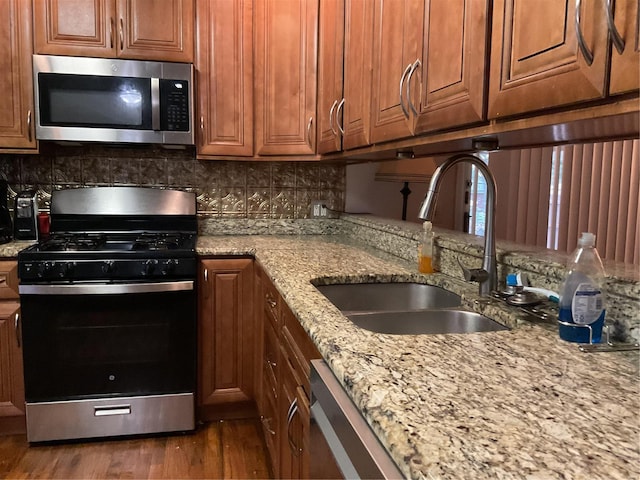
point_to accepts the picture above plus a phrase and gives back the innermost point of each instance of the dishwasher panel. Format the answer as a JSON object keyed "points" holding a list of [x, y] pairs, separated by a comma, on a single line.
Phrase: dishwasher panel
{"points": [[338, 428]]}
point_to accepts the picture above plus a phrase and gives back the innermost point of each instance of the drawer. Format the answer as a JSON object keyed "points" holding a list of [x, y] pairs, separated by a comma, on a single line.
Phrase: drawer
{"points": [[8, 280]]}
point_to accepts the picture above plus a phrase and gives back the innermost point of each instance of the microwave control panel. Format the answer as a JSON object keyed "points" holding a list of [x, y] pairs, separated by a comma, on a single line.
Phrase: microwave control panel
{"points": [[174, 105]]}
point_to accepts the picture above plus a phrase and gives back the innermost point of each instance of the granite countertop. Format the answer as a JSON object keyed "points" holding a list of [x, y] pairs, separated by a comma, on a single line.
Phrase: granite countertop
{"points": [[512, 404]]}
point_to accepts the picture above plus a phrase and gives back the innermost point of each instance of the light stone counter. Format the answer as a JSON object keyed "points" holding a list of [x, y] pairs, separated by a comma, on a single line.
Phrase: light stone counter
{"points": [[512, 404]]}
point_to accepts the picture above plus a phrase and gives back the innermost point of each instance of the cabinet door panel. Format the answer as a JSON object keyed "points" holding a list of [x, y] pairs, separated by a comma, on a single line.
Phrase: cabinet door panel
{"points": [[16, 77], [356, 114], [75, 27], [225, 332], [156, 29], [11, 382], [396, 46], [285, 76], [535, 59], [625, 66], [224, 67], [454, 59], [330, 76]]}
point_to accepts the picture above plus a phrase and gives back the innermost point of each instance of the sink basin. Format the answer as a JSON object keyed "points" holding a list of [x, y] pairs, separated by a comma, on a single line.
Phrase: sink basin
{"points": [[405, 308], [379, 297], [426, 321]]}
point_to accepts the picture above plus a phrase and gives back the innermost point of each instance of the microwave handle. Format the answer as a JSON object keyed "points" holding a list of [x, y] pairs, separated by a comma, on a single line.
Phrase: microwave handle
{"points": [[155, 104]]}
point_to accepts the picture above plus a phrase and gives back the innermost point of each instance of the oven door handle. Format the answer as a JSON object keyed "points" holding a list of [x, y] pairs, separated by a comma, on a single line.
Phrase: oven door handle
{"points": [[106, 288]]}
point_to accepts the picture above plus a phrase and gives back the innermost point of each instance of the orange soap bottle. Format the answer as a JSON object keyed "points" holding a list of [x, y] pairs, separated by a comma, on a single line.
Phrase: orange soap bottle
{"points": [[425, 249]]}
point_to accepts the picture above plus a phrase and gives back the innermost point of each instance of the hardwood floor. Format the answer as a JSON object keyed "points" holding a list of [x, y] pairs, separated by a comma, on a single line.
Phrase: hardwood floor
{"points": [[224, 449]]}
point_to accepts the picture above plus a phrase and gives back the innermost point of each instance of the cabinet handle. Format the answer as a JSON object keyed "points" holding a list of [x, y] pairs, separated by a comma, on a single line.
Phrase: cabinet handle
{"points": [[17, 327], [586, 53], [414, 67], [617, 39], [309, 131], [272, 364], [402, 78], [293, 409], [121, 34], [266, 423], [111, 32], [333, 107], [206, 274], [29, 136], [338, 113], [270, 300]]}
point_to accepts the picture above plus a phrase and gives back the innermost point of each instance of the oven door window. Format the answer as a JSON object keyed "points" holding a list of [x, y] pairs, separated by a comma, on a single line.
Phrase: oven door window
{"points": [[88, 346], [95, 101]]}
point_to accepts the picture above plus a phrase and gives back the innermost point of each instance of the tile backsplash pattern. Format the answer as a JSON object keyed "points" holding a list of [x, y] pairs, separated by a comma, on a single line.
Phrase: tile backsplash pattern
{"points": [[233, 189]]}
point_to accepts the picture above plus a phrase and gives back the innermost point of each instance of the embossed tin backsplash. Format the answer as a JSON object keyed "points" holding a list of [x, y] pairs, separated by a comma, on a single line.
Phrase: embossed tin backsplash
{"points": [[238, 189]]}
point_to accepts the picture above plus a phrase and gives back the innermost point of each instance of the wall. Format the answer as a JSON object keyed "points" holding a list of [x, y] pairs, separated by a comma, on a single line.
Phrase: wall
{"points": [[239, 189], [383, 199]]}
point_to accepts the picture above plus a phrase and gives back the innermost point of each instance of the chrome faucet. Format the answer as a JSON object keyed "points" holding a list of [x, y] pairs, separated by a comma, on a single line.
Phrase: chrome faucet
{"points": [[487, 276]]}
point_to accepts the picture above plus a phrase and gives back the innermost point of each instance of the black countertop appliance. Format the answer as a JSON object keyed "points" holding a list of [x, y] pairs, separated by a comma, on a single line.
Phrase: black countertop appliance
{"points": [[6, 226]]}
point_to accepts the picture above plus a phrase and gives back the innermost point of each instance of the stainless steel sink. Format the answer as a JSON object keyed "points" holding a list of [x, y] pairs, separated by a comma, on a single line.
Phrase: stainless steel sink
{"points": [[426, 321], [406, 308], [383, 297]]}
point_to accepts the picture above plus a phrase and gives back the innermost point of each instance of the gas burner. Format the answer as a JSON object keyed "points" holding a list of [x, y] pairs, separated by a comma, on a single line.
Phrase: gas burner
{"points": [[73, 242], [158, 242]]}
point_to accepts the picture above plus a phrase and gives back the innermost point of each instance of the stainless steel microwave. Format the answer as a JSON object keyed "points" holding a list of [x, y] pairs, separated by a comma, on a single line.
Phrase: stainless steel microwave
{"points": [[83, 99]]}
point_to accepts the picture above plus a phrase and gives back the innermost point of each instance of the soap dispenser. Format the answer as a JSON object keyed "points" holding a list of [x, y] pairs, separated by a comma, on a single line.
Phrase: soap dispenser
{"points": [[582, 296], [425, 250]]}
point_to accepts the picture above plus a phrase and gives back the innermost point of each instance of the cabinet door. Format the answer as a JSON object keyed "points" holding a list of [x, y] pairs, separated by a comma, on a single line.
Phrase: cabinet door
{"points": [[625, 66], [224, 66], [453, 64], [159, 30], [12, 409], [139, 29], [285, 76], [397, 45], [75, 27], [16, 76], [330, 57], [536, 62], [226, 332], [358, 54]]}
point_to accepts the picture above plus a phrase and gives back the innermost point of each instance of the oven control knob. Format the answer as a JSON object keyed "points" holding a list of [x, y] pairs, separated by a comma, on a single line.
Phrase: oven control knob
{"points": [[149, 267], [169, 267], [46, 268], [108, 266], [67, 268]]}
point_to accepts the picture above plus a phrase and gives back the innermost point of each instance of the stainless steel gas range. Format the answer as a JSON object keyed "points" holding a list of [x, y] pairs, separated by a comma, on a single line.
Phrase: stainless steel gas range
{"points": [[109, 315]]}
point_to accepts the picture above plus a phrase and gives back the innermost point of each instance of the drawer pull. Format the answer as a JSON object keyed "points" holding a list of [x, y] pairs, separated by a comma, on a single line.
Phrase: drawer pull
{"points": [[266, 423], [270, 300], [112, 410]]}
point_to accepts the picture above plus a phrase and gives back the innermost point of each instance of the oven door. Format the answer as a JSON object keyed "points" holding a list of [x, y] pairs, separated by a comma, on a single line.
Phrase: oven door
{"points": [[84, 341]]}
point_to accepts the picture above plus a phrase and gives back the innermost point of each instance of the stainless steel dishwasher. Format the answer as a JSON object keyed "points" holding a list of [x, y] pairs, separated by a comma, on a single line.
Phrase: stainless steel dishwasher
{"points": [[343, 444]]}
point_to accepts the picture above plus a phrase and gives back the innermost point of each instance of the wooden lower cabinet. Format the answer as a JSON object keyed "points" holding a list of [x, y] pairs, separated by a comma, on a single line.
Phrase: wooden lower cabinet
{"points": [[285, 395], [12, 408], [227, 339]]}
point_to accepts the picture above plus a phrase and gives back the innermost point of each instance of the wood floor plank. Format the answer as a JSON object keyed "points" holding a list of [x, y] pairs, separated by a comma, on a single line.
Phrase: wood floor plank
{"points": [[217, 450]]}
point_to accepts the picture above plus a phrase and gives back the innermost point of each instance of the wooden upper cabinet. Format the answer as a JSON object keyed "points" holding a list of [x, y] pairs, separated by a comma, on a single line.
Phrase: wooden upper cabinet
{"points": [[224, 69], [285, 76], [344, 75], [452, 71], [397, 40], [625, 65], [16, 76], [358, 55], [139, 29], [330, 59], [536, 58]]}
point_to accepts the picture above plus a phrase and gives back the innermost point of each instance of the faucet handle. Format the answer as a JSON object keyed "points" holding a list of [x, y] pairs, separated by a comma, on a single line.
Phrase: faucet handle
{"points": [[473, 274]]}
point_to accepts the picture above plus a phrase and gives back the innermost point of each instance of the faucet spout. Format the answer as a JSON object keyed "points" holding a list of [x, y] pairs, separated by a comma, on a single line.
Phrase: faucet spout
{"points": [[488, 275]]}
